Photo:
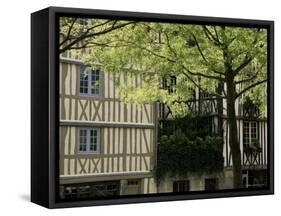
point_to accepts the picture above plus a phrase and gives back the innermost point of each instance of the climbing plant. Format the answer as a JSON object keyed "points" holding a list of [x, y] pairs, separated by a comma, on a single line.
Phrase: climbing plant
{"points": [[186, 150], [180, 156]]}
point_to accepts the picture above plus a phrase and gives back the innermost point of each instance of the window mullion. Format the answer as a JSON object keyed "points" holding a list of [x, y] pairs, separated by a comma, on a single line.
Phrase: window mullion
{"points": [[88, 140]]}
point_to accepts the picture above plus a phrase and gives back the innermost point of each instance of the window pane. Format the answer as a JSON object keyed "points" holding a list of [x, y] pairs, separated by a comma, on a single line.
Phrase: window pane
{"points": [[95, 83], [246, 133], [93, 140], [83, 80], [83, 140], [95, 132]]}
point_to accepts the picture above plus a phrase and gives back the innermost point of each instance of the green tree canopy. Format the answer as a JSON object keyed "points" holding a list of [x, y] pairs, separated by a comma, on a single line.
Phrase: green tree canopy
{"points": [[195, 54]]}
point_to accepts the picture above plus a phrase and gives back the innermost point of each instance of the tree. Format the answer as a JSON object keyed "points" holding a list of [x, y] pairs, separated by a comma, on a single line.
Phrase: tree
{"points": [[79, 33], [227, 62]]}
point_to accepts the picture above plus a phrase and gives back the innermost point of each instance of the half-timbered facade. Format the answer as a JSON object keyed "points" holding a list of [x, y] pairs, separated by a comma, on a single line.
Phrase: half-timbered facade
{"points": [[252, 136], [107, 147]]}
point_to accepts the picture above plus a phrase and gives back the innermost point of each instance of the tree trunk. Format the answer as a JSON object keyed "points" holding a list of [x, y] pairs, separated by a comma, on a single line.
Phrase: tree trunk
{"points": [[220, 109], [233, 139]]}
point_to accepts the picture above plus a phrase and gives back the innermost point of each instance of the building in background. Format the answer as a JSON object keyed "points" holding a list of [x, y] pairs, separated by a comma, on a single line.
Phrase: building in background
{"points": [[252, 136]]}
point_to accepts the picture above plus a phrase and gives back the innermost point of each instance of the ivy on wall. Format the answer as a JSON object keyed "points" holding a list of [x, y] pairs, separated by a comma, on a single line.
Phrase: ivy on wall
{"points": [[190, 126], [189, 148]]}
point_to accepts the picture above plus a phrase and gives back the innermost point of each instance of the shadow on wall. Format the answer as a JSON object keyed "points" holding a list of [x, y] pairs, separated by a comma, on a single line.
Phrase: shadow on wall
{"points": [[25, 197]]}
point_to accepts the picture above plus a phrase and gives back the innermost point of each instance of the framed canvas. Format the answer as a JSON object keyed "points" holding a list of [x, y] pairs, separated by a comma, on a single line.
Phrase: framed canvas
{"points": [[138, 107]]}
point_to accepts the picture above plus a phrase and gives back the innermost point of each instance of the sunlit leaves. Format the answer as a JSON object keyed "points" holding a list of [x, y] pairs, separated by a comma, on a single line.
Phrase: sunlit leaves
{"points": [[159, 50]]}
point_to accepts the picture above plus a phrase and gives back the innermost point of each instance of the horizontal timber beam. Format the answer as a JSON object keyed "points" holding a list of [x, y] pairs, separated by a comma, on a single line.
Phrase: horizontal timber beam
{"points": [[106, 124], [101, 155], [73, 61], [71, 179]]}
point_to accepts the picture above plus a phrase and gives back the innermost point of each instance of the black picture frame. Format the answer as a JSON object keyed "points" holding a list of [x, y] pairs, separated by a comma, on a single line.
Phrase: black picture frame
{"points": [[45, 105]]}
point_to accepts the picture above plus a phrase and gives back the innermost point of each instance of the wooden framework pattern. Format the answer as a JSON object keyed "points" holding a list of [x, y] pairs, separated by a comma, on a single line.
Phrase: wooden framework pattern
{"points": [[208, 107], [128, 131]]}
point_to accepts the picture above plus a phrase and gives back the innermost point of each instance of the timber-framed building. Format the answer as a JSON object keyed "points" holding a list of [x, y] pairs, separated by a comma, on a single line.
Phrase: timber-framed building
{"points": [[109, 148]]}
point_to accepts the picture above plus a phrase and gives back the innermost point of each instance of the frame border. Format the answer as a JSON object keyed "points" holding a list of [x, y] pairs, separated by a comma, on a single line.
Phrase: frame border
{"points": [[55, 12]]}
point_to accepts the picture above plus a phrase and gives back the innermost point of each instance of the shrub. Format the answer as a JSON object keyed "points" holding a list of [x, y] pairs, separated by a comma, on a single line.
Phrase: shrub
{"points": [[177, 155]]}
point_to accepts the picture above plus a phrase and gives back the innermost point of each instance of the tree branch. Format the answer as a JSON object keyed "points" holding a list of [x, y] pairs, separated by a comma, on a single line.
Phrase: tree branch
{"points": [[101, 24], [211, 37], [248, 79], [217, 36], [158, 55], [199, 87], [249, 87], [246, 61], [247, 58], [82, 37], [204, 75], [68, 32], [169, 45], [199, 48], [203, 56]]}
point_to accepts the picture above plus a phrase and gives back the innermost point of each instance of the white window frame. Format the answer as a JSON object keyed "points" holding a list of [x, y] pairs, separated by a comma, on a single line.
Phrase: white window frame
{"points": [[251, 125], [90, 70], [88, 142], [83, 22]]}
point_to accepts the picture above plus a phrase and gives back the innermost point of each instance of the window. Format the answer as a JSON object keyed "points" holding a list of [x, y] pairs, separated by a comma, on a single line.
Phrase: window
{"points": [[133, 187], [84, 191], [90, 81], [91, 190], [169, 84], [211, 184], [133, 183], [88, 140], [181, 186], [249, 133], [70, 192], [83, 25], [204, 94]]}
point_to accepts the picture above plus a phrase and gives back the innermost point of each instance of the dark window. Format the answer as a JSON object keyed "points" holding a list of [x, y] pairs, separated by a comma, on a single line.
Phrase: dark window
{"points": [[211, 184], [204, 94], [91, 190], [169, 84], [70, 192], [133, 183], [84, 191], [181, 186]]}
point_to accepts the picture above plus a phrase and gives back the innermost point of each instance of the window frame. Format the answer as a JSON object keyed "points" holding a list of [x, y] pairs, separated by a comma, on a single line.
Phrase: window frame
{"points": [[209, 183], [91, 70], [88, 142], [250, 132], [178, 184]]}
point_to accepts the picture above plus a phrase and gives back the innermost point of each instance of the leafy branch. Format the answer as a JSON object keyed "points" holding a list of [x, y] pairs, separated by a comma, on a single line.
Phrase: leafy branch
{"points": [[249, 87]]}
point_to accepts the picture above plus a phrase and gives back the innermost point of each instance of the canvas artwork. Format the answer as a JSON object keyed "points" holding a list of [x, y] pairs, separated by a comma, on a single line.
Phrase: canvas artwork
{"points": [[154, 107]]}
